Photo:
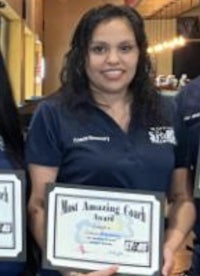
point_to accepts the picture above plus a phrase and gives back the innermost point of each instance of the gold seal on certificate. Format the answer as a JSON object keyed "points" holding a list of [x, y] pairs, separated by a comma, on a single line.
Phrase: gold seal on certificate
{"points": [[90, 228], [12, 215]]}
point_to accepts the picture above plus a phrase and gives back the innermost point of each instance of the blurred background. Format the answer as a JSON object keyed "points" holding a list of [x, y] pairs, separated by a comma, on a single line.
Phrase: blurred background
{"points": [[34, 35]]}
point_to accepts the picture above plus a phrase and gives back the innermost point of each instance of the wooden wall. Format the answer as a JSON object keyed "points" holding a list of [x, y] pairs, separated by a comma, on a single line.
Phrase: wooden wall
{"points": [[16, 5], [23, 31]]}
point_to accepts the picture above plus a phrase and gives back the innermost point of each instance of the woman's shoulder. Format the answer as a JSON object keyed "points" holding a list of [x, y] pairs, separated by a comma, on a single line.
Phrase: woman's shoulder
{"points": [[51, 106], [51, 113], [51, 101]]}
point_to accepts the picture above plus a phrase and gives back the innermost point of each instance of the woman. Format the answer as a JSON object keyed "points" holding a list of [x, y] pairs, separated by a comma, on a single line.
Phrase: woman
{"points": [[109, 125], [11, 147]]}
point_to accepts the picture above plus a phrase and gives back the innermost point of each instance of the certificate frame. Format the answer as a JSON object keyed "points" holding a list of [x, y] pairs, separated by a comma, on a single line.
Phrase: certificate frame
{"points": [[56, 257], [13, 216]]}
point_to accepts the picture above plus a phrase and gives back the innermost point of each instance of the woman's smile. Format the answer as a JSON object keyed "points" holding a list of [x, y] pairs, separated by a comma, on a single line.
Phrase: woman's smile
{"points": [[113, 74]]}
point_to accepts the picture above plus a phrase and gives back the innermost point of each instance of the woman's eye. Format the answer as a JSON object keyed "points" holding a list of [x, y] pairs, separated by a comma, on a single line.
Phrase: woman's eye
{"points": [[126, 48], [98, 49]]}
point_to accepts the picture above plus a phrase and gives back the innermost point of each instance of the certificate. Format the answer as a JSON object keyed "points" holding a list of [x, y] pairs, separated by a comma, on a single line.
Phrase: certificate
{"points": [[88, 228], [12, 215]]}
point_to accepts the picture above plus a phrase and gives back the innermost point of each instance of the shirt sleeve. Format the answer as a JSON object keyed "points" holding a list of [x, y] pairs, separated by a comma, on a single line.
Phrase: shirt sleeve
{"points": [[42, 144]]}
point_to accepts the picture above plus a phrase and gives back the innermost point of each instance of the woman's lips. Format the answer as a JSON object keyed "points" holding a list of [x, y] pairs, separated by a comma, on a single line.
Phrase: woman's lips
{"points": [[113, 74]]}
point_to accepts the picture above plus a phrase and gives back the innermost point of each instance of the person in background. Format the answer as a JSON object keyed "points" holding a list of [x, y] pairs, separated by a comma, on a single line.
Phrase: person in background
{"points": [[109, 126], [188, 105], [12, 158], [11, 147]]}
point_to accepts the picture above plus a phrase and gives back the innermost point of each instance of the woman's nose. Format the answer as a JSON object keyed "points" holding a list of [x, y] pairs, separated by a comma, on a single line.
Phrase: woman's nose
{"points": [[113, 56]]}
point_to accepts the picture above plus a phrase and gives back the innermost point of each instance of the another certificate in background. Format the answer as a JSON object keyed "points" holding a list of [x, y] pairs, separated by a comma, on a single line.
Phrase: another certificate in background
{"points": [[12, 215], [90, 229]]}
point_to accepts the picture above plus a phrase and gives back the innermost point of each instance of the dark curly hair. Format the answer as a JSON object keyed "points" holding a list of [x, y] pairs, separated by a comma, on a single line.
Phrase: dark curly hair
{"points": [[10, 126], [74, 80]]}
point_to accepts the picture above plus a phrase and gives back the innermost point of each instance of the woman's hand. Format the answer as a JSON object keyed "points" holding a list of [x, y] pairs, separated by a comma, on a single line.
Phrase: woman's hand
{"points": [[182, 206], [168, 256], [104, 272]]}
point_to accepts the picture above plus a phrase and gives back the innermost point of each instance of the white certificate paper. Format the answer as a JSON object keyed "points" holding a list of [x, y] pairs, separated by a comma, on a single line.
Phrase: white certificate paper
{"points": [[12, 215], [92, 229]]}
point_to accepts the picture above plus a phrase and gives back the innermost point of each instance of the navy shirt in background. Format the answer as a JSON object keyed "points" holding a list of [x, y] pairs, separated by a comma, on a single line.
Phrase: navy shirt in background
{"points": [[188, 104]]}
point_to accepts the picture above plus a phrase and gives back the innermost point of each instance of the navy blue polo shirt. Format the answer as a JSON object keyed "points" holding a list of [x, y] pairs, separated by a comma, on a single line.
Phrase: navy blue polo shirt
{"points": [[96, 151], [188, 104], [8, 268]]}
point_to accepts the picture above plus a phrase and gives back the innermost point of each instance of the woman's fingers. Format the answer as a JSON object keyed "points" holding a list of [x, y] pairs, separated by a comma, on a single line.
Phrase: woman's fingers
{"points": [[104, 272]]}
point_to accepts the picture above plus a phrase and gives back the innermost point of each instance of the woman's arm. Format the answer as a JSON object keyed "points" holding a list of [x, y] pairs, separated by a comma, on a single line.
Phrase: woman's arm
{"points": [[40, 177], [181, 215]]}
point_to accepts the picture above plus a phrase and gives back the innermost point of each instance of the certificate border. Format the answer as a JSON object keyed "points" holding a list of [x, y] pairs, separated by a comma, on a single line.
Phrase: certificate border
{"points": [[158, 195], [21, 256], [13, 216], [197, 176]]}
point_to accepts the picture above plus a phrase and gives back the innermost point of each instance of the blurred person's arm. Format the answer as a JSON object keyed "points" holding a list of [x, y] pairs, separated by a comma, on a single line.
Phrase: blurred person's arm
{"points": [[181, 216]]}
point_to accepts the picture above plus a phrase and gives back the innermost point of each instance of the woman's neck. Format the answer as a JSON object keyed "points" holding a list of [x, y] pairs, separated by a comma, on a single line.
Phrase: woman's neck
{"points": [[117, 106], [110, 99]]}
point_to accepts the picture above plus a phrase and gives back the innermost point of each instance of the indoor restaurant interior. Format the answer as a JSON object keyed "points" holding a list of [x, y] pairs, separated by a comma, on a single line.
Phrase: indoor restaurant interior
{"points": [[35, 34]]}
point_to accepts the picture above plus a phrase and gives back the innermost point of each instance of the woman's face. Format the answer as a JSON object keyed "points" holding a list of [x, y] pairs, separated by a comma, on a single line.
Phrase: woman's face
{"points": [[112, 58]]}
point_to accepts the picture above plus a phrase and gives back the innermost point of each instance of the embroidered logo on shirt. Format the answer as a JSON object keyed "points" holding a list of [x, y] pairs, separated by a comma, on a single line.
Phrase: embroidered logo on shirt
{"points": [[2, 145], [161, 135], [91, 138], [193, 116]]}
